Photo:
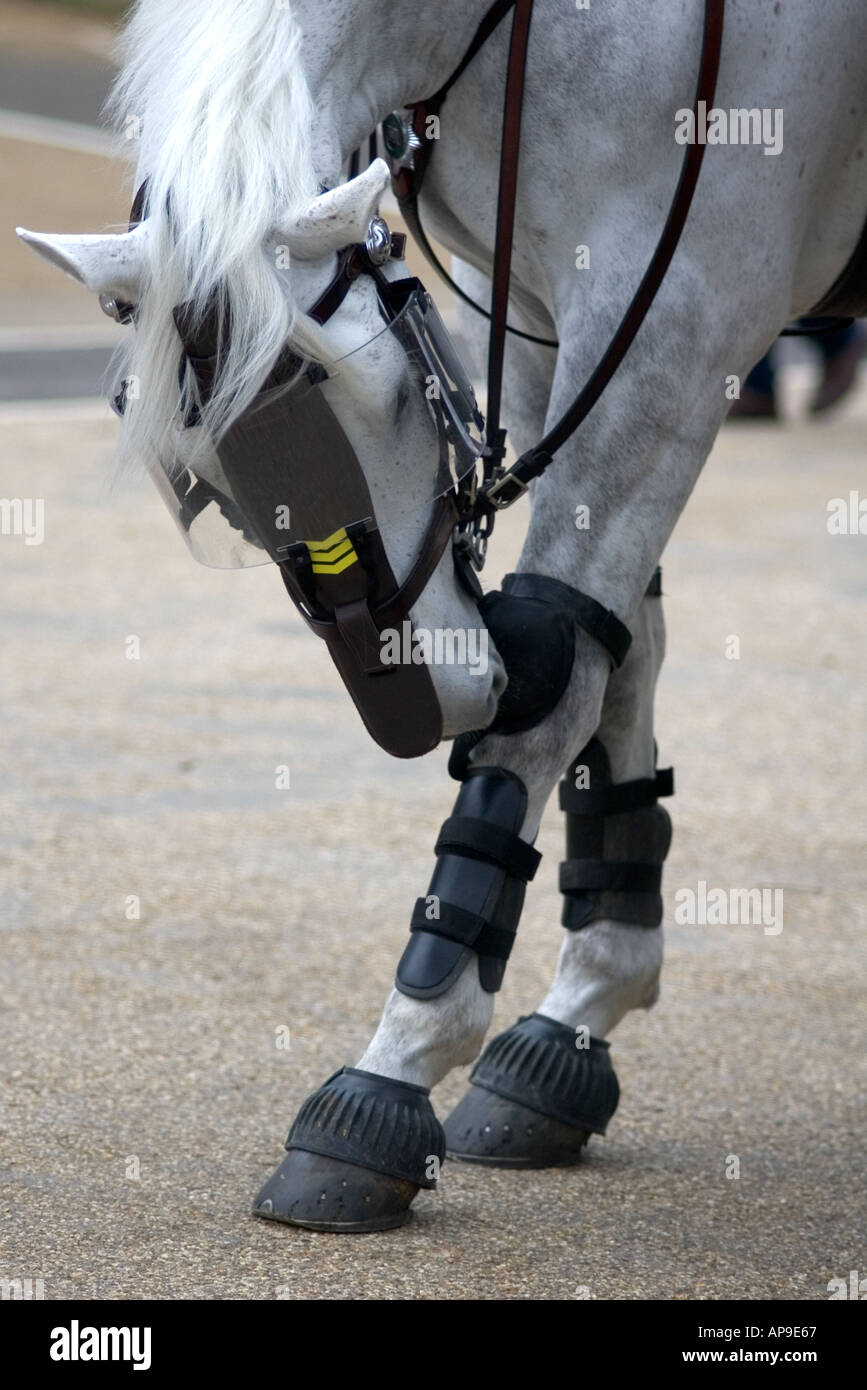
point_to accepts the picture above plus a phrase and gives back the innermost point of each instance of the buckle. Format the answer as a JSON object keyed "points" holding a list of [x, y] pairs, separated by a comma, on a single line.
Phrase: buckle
{"points": [[504, 490], [466, 492]]}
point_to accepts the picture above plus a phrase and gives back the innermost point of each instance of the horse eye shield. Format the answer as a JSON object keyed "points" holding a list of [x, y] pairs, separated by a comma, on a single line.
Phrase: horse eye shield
{"points": [[389, 427]]}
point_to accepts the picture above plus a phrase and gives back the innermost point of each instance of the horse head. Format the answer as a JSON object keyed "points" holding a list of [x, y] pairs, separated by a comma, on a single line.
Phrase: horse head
{"points": [[341, 464]]}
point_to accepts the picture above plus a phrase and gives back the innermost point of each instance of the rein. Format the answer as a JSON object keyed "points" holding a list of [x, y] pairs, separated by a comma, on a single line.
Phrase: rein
{"points": [[500, 486]]}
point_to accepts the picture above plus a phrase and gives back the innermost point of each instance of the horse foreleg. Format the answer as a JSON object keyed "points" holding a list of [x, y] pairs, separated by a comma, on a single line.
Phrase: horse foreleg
{"points": [[610, 959]]}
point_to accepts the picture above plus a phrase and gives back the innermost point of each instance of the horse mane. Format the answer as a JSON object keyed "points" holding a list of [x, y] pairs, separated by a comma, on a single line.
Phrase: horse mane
{"points": [[219, 97]]}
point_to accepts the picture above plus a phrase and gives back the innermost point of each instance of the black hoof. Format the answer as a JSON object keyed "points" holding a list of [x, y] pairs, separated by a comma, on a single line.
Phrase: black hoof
{"points": [[535, 1099], [485, 1128], [326, 1194], [359, 1150]]}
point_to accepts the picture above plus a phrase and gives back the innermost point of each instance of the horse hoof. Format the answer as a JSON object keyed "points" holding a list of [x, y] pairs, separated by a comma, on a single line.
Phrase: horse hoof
{"points": [[325, 1194], [535, 1099], [485, 1128], [358, 1152]]}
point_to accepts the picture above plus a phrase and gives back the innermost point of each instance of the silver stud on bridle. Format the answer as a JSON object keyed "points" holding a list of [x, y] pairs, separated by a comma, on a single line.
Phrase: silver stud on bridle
{"points": [[377, 243]]}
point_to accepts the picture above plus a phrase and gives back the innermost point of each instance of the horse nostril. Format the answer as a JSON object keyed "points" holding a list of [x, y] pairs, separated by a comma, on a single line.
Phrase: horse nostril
{"points": [[500, 681], [402, 400]]}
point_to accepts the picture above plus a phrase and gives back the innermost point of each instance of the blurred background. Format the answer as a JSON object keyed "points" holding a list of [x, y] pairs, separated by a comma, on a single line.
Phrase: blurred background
{"points": [[60, 170]]}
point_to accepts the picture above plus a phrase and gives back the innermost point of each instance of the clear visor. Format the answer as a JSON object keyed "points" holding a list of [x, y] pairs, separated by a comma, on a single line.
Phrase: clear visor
{"points": [[384, 430]]}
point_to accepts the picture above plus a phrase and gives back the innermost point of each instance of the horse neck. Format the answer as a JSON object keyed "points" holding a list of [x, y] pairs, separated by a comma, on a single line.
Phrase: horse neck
{"points": [[359, 67]]}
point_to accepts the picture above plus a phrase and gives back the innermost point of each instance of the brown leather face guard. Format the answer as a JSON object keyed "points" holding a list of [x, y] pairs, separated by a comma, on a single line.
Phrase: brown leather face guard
{"points": [[291, 484]]}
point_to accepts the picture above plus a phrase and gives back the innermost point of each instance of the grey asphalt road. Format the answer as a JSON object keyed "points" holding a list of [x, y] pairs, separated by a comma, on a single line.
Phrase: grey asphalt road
{"points": [[53, 374], [67, 87]]}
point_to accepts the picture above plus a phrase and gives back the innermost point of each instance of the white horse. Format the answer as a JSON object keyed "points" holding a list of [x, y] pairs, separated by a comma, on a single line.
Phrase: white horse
{"points": [[247, 109]]}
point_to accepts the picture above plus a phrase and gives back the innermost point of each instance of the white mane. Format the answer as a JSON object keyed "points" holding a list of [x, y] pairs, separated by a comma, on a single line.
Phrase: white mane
{"points": [[219, 96]]}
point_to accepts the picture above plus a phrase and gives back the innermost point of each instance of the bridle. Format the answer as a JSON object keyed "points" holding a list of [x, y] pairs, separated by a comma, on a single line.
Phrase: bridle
{"points": [[502, 486]]}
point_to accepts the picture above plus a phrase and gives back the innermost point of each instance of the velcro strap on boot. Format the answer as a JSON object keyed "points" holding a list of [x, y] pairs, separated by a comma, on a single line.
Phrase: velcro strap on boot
{"points": [[480, 839], [457, 924], [592, 875], [618, 797]]}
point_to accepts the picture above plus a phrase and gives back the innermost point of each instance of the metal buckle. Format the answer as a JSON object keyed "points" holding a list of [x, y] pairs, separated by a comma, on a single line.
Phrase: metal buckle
{"points": [[496, 494], [466, 494]]}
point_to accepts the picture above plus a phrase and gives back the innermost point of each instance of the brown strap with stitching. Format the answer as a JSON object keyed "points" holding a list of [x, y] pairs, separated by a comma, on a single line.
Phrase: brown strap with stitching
{"points": [[533, 463], [510, 152]]}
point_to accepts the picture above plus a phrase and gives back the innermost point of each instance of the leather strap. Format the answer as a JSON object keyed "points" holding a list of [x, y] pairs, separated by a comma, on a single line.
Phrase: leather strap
{"points": [[407, 183], [596, 620], [502, 491], [136, 212], [654, 588], [510, 152], [351, 263], [392, 611]]}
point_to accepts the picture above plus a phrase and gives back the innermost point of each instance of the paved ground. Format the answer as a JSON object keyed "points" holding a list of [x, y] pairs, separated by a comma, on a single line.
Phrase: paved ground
{"points": [[153, 1039], [144, 1099]]}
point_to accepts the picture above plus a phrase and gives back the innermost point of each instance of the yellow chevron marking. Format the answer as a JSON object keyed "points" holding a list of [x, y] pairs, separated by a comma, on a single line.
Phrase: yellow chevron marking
{"points": [[329, 542], [333, 555], [336, 566], [335, 552]]}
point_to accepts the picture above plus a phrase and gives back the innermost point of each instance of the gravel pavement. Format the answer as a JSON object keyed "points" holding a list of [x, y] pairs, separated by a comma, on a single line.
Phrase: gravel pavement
{"points": [[144, 1098]]}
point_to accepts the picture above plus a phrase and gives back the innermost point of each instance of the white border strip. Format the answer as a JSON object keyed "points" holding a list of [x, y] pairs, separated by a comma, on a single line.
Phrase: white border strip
{"points": [[55, 411], [60, 337], [66, 135]]}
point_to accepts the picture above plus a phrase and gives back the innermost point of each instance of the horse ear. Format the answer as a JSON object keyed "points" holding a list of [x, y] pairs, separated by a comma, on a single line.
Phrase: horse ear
{"points": [[105, 264], [339, 217]]}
